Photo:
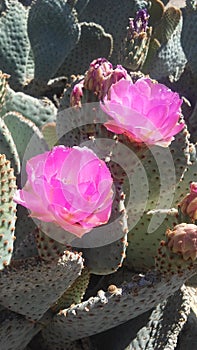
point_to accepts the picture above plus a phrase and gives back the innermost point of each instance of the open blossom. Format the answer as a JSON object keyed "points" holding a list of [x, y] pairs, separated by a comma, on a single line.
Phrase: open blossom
{"points": [[70, 187], [145, 111]]}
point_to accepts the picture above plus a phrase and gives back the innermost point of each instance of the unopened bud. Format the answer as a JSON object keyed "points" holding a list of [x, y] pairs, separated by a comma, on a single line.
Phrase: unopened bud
{"points": [[183, 240], [188, 205]]}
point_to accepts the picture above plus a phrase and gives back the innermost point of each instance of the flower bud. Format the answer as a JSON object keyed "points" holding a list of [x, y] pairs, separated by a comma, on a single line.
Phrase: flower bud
{"points": [[188, 205], [96, 76], [183, 240], [76, 95]]}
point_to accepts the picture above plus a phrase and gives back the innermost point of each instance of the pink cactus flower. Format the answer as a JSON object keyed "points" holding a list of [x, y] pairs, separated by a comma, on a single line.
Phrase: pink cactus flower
{"points": [[70, 187], [146, 111], [183, 240]]}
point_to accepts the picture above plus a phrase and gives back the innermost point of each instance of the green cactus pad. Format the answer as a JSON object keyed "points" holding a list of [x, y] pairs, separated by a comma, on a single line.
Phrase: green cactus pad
{"points": [[8, 147], [188, 336], [103, 260], [39, 111], [168, 262], [49, 132], [43, 344], [81, 5], [26, 249], [113, 16], [48, 248], [94, 42], [74, 294], [30, 67], [7, 211], [42, 283], [16, 331], [164, 170], [155, 11], [24, 227], [189, 32], [53, 32], [14, 42], [111, 308], [3, 86], [143, 245], [107, 259], [170, 59], [23, 131], [158, 329], [183, 186], [167, 25]]}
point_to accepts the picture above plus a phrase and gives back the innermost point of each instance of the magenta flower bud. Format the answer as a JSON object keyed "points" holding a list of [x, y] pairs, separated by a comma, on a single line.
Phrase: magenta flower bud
{"points": [[145, 111], [69, 187], [119, 73], [140, 22], [183, 240], [188, 205], [98, 72], [76, 94]]}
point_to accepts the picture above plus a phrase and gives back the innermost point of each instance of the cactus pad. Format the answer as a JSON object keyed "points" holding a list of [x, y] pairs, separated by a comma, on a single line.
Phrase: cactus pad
{"points": [[111, 308], [14, 42], [53, 32], [41, 282], [7, 212]]}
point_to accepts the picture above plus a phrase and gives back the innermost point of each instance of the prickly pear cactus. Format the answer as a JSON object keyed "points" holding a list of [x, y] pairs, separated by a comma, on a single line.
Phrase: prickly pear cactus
{"points": [[8, 211], [73, 290]]}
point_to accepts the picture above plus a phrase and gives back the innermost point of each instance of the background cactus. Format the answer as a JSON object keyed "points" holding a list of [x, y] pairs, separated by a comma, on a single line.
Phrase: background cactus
{"points": [[55, 296]]}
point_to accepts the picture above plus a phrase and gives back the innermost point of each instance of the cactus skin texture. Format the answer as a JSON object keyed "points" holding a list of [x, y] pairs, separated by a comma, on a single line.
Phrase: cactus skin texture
{"points": [[131, 293], [14, 42], [7, 212], [53, 32]]}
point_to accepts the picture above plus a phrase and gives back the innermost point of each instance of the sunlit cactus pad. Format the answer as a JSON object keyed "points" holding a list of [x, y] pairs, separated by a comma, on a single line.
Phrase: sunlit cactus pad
{"points": [[98, 174]]}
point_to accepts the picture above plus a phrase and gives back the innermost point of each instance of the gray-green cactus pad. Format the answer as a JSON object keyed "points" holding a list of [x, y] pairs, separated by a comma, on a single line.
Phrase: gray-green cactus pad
{"points": [[170, 60], [26, 135], [108, 310], [29, 287], [16, 331], [113, 16], [53, 32], [3, 87], [158, 329], [143, 244], [108, 258], [14, 42], [39, 111], [189, 32], [188, 336], [8, 147], [7, 211], [94, 42], [24, 227]]}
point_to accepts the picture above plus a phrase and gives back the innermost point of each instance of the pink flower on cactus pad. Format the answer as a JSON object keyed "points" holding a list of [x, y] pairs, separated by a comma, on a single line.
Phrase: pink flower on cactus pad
{"points": [[145, 111], [70, 187]]}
